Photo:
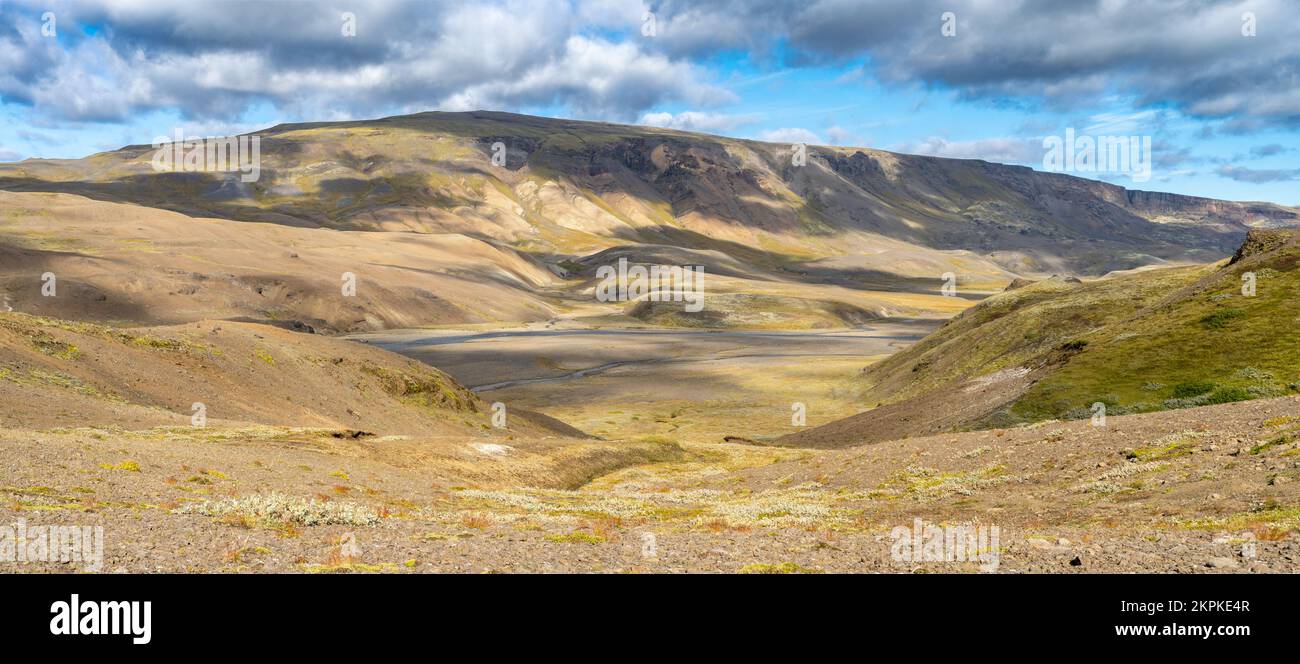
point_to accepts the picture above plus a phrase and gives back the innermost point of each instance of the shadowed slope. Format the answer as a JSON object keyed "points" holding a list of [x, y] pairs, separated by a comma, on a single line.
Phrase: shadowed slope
{"points": [[571, 188], [61, 373]]}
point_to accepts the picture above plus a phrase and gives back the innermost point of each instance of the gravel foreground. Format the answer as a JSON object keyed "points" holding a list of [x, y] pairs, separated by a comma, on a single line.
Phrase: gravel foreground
{"points": [[1205, 490]]}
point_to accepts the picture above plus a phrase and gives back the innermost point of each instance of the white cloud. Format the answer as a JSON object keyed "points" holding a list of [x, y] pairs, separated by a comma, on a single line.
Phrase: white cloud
{"points": [[791, 135], [1068, 53], [1002, 150], [711, 123], [1122, 124], [612, 13], [597, 78], [219, 60]]}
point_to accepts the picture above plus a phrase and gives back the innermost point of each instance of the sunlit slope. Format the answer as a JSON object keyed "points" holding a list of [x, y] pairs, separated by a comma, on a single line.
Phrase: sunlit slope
{"points": [[1205, 343], [1137, 342], [568, 188]]}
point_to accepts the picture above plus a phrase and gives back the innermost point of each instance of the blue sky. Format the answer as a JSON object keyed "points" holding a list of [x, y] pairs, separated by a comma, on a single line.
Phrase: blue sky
{"points": [[1212, 84]]}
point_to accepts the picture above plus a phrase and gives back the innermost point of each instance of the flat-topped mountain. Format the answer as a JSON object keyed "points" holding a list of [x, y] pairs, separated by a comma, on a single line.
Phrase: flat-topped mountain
{"points": [[564, 188]]}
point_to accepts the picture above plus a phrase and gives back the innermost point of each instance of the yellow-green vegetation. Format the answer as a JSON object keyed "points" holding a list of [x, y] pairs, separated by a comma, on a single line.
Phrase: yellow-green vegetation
{"points": [[44, 498], [125, 465], [430, 390], [652, 492], [55, 379], [1284, 518], [349, 567], [1140, 342], [1207, 343], [779, 568], [1284, 439], [37, 329], [42, 241], [55, 348], [761, 399], [576, 537], [240, 554], [1017, 328], [264, 355], [1169, 447]]}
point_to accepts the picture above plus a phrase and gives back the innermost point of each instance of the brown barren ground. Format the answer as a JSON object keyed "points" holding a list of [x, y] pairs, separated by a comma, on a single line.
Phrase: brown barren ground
{"points": [[1130, 496], [281, 479]]}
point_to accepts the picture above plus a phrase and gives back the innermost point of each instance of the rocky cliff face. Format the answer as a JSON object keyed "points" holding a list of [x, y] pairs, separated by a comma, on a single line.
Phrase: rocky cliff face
{"points": [[1261, 241]]}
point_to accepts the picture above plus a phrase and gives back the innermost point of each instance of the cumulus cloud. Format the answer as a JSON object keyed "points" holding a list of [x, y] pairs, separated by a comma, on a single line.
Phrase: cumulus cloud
{"points": [[219, 59], [9, 155], [594, 78], [791, 135], [1190, 55], [114, 59]]}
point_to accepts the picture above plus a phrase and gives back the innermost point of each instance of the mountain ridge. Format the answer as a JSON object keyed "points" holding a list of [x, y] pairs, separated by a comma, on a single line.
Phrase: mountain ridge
{"points": [[571, 187]]}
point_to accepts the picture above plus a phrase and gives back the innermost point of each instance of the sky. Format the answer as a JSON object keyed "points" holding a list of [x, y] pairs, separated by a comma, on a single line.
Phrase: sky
{"points": [[1211, 84]]}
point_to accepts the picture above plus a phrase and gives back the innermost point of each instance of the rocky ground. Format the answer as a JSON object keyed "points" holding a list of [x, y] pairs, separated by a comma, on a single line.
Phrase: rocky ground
{"points": [[1200, 490]]}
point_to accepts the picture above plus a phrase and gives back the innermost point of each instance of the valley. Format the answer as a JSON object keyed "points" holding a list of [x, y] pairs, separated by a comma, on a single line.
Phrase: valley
{"points": [[640, 382], [390, 354]]}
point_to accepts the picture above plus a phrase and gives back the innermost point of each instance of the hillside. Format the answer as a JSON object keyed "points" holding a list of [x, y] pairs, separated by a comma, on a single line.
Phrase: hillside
{"points": [[859, 217], [182, 289], [144, 266], [135, 265], [1138, 342], [56, 373]]}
